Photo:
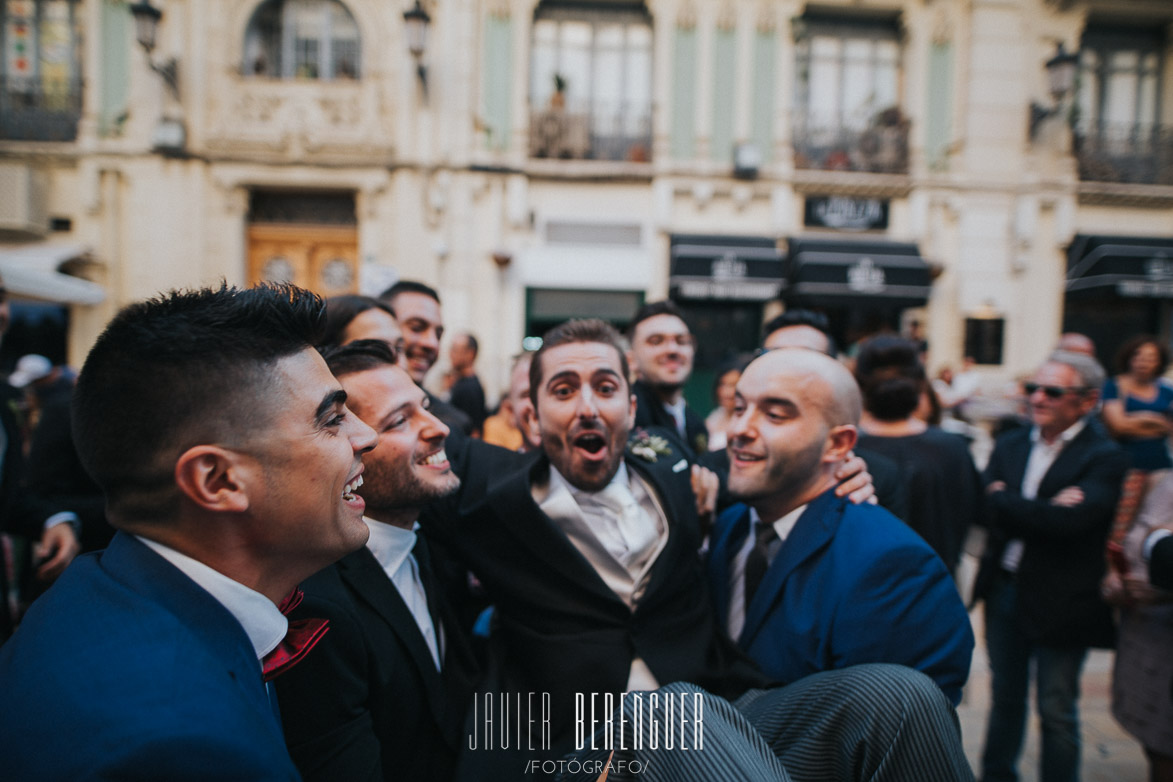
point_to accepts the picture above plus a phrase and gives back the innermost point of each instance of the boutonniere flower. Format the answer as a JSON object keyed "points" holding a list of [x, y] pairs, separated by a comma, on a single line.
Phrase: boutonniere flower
{"points": [[648, 447]]}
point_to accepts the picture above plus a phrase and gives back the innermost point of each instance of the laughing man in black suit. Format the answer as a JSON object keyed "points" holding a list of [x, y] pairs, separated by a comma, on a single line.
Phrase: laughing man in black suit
{"points": [[383, 695]]}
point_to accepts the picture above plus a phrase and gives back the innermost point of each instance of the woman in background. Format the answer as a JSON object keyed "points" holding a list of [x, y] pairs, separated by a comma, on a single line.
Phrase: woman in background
{"points": [[1143, 670], [1137, 403], [351, 317], [724, 387]]}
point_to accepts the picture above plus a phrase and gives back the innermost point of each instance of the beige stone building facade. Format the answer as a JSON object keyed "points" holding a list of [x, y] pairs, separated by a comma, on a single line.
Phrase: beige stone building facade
{"points": [[883, 161]]}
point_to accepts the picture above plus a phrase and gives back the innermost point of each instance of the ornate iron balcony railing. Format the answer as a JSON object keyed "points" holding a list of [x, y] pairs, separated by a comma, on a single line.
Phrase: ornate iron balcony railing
{"points": [[32, 111]]}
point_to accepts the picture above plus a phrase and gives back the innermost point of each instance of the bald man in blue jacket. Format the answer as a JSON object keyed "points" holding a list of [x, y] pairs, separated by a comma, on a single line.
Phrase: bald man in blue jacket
{"points": [[804, 581]]}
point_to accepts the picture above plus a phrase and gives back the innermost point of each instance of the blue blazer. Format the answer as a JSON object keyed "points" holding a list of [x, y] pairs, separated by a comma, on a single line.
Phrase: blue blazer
{"points": [[852, 584], [126, 669]]}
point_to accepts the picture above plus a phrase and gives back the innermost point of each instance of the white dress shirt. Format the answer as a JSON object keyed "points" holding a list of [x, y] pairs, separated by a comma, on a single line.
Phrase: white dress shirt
{"points": [[392, 547], [264, 624], [677, 413], [1042, 456], [783, 527], [619, 530]]}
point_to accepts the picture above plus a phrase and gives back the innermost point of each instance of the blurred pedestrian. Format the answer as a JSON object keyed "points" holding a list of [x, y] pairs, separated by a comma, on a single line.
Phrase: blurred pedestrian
{"points": [[467, 393], [724, 395], [1052, 490], [1143, 670], [944, 489], [1138, 403]]}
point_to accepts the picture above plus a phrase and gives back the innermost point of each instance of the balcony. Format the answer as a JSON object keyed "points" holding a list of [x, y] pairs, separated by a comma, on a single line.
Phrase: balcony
{"points": [[1125, 154], [30, 111], [593, 135], [881, 148]]}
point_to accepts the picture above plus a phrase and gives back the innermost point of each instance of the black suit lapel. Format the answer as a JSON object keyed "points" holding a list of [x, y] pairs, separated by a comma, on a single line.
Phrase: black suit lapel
{"points": [[1016, 458], [363, 574], [674, 492]]}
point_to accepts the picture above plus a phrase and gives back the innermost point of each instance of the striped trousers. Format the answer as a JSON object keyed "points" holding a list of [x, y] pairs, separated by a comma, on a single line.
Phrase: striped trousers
{"points": [[879, 723]]}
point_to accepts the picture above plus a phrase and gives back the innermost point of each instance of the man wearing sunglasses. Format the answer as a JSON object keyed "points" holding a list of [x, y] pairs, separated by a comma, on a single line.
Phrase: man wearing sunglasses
{"points": [[1052, 491]]}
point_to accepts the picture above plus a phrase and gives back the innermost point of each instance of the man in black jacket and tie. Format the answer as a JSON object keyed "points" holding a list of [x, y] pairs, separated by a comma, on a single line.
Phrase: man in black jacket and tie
{"points": [[662, 352], [383, 696]]}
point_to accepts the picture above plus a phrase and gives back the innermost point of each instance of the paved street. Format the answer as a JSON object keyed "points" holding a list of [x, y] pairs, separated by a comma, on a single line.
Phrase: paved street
{"points": [[1109, 754]]}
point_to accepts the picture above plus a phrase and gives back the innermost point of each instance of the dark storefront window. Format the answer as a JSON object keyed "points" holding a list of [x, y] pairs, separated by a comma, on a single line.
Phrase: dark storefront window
{"points": [[983, 339], [724, 331]]}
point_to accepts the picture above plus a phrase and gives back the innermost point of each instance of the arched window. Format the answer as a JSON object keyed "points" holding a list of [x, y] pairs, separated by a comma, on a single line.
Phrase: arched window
{"points": [[302, 39]]}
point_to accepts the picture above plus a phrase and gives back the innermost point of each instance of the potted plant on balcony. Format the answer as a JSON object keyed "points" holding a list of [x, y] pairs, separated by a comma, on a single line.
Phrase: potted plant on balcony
{"points": [[558, 99], [883, 147]]}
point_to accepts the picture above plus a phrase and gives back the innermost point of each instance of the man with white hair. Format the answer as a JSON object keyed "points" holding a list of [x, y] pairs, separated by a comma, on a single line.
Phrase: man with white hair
{"points": [[1052, 492]]}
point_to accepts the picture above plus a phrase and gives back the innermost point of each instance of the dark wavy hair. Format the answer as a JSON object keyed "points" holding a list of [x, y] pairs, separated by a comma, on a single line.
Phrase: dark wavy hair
{"points": [[570, 332], [1132, 345], [891, 377], [183, 369], [341, 310], [361, 355]]}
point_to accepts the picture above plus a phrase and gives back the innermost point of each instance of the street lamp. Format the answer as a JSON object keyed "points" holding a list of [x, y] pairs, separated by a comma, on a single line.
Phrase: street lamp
{"points": [[415, 23], [170, 137], [1061, 79], [146, 27]]}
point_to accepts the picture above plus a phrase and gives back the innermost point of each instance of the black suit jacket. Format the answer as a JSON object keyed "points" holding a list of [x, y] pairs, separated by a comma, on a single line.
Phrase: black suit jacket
{"points": [[649, 411], [1059, 575], [368, 703], [55, 477], [20, 512], [559, 628]]}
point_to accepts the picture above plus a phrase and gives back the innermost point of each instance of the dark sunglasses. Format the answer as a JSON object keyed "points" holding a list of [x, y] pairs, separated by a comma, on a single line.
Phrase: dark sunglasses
{"points": [[1052, 392]]}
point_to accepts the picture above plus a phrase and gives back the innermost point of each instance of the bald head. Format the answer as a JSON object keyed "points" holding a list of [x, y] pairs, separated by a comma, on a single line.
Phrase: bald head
{"points": [[1074, 342], [798, 335], [839, 400], [794, 423]]}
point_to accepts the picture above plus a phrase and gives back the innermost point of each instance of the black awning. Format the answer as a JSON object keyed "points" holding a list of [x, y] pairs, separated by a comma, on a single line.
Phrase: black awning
{"points": [[833, 273], [1134, 267], [728, 268]]}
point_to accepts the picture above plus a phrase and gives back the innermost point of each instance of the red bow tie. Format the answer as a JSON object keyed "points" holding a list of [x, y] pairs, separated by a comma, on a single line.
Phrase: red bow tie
{"points": [[299, 639]]}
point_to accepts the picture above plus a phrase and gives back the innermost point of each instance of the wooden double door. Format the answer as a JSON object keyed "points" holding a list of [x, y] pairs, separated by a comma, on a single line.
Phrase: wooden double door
{"points": [[322, 258]]}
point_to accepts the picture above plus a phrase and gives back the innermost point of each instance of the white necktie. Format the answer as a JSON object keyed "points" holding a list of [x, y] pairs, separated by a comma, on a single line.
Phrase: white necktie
{"points": [[635, 528]]}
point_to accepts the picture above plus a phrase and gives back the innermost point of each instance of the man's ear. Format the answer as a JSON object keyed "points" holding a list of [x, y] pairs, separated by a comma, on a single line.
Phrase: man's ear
{"points": [[213, 478], [840, 441], [529, 417], [631, 413]]}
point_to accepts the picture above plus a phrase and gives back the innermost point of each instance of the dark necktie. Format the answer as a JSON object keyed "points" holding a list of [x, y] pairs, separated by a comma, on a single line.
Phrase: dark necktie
{"points": [[758, 561], [299, 639]]}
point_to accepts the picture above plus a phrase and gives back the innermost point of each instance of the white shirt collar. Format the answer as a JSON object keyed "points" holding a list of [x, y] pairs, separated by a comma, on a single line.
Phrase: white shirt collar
{"points": [[391, 545], [258, 615], [783, 526], [558, 482], [1066, 436]]}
